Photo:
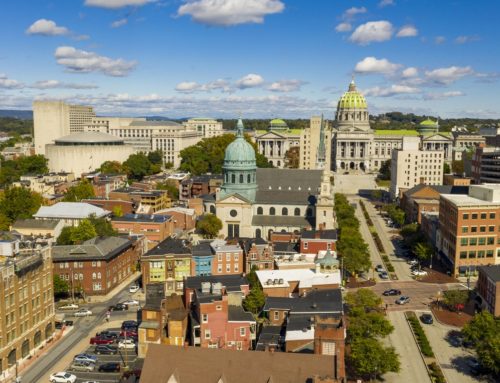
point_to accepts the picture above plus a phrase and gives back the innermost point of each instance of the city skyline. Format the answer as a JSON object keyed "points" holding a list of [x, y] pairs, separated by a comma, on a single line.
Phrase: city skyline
{"points": [[265, 58]]}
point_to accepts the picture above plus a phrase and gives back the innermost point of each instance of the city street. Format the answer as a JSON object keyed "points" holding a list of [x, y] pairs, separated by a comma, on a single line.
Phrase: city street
{"points": [[412, 366]]}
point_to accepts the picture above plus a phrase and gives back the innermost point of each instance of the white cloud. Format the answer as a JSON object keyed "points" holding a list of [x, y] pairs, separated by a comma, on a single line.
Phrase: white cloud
{"points": [[193, 86], [444, 95], [374, 65], [407, 31], [385, 3], [351, 12], [467, 39], [410, 72], [46, 27], [251, 80], [230, 12], [343, 27], [80, 61], [439, 40], [393, 90], [8, 83], [373, 31], [187, 86], [56, 84], [286, 86], [446, 76], [119, 23], [115, 4]]}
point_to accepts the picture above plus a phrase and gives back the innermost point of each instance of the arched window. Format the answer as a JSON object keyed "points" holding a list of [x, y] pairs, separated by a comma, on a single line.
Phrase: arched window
{"points": [[272, 211], [233, 178], [258, 233], [241, 178], [98, 275], [296, 212], [249, 179], [93, 275], [284, 211], [226, 178], [309, 212], [212, 209], [260, 211]]}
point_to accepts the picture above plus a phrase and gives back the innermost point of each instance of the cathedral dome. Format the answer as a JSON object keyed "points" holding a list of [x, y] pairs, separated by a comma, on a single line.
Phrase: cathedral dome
{"points": [[239, 153], [352, 99]]}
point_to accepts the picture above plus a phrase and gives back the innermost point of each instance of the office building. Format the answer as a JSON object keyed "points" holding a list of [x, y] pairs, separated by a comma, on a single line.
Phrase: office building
{"points": [[208, 127], [315, 145], [486, 165]]}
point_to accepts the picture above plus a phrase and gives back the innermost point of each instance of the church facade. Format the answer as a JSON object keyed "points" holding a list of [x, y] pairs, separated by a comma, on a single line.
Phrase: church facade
{"points": [[255, 202]]}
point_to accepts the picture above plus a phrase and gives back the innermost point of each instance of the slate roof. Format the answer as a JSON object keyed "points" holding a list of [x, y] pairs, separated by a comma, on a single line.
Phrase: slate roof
{"points": [[70, 210], [155, 293], [203, 248], [226, 280], [286, 247], [237, 314], [270, 336], [323, 234], [288, 178], [99, 248], [286, 197], [169, 246], [45, 224], [492, 272], [145, 218], [315, 302], [279, 220]]}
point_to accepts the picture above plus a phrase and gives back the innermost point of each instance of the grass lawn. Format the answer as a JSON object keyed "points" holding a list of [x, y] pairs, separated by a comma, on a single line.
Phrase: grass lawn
{"points": [[383, 183]]}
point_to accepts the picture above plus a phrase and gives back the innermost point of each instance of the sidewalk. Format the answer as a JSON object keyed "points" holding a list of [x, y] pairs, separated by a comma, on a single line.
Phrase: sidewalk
{"points": [[115, 291]]}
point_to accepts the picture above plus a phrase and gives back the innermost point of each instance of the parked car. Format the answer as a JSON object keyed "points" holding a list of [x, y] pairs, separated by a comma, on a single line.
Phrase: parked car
{"points": [[129, 324], [130, 302], [109, 367], [426, 318], [383, 275], [379, 268], [133, 289], [104, 349], [419, 273], [126, 344], [412, 262], [99, 340], [128, 333], [392, 292], [68, 322], [82, 366], [69, 306], [128, 374], [108, 334], [83, 313], [118, 307], [62, 377], [403, 299], [85, 358]]}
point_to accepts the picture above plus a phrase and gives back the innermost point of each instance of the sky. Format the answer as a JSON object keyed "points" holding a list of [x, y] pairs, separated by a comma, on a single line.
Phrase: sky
{"points": [[255, 58]]}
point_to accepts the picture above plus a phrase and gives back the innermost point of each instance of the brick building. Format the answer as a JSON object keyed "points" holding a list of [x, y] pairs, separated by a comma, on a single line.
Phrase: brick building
{"points": [[488, 288], [469, 227], [98, 265], [199, 185], [228, 258], [314, 241], [257, 252], [113, 205], [155, 228], [182, 218], [147, 201]]}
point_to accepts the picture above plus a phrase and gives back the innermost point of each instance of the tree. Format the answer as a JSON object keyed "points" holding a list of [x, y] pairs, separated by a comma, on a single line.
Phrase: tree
{"points": [[423, 251], [156, 157], [102, 227], [483, 332], [209, 226], [138, 165], [396, 214], [377, 194], [457, 167], [36, 164], [372, 324], [61, 287], [292, 157], [252, 278], [65, 236], [255, 300], [455, 299], [112, 167], [172, 190], [446, 168], [369, 359], [385, 170], [19, 203], [83, 232], [363, 298], [118, 211], [83, 190]]}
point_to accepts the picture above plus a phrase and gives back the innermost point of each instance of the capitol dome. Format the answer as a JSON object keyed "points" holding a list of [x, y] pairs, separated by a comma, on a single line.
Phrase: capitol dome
{"points": [[352, 99], [352, 110]]}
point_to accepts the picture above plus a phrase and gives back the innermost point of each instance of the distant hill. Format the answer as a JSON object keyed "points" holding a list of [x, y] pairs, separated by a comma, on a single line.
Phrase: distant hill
{"points": [[21, 114]]}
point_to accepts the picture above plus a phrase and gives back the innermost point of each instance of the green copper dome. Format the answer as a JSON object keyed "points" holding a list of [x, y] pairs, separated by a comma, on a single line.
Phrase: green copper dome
{"points": [[428, 122], [328, 260], [352, 99], [428, 126], [239, 153]]}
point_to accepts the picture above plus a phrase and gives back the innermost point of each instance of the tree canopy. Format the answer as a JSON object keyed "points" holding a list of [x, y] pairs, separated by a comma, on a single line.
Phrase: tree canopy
{"points": [[87, 229], [138, 166], [385, 170], [12, 170], [370, 359], [82, 190], [18, 203], [209, 225], [112, 167], [396, 214]]}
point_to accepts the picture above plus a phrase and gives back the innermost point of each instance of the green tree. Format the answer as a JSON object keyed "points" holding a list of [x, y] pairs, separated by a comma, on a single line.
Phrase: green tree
{"points": [[118, 211], [156, 157], [138, 166], [252, 278], [172, 190], [84, 231], [455, 298], [36, 164], [61, 287], [423, 251], [19, 203], [372, 324], [369, 359], [483, 331], [255, 300], [65, 236], [446, 168], [82, 190], [209, 226], [457, 167], [396, 214], [385, 170], [365, 299], [112, 167], [102, 227]]}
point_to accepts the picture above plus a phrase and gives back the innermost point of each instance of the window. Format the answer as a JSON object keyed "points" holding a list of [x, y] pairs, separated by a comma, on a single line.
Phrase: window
{"points": [[94, 263], [241, 178], [219, 257], [465, 229], [492, 215], [204, 318], [157, 265], [482, 241], [207, 334], [482, 229], [480, 254], [219, 268], [218, 308], [233, 178], [276, 315], [260, 211], [472, 254], [98, 275], [489, 253], [94, 275], [284, 211], [473, 242], [463, 254], [228, 267], [483, 215], [463, 241], [491, 240], [473, 229], [228, 257], [236, 268], [305, 245], [272, 211], [243, 331], [474, 215], [296, 212], [233, 213], [491, 229], [96, 286]]}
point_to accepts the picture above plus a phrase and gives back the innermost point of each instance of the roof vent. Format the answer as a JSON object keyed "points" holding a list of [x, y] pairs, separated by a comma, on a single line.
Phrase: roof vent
{"points": [[275, 281], [281, 281], [205, 287], [314, 305]]}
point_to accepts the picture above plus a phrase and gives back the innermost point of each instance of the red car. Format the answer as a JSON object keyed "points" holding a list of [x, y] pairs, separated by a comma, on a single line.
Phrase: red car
{"points": [[132, 334], [98, 340]]}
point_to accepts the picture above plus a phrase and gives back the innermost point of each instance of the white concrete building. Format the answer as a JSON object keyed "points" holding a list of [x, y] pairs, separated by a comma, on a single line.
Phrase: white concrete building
{"points": [[209, 127], [411, 166], [173, 140], [276, 141], [71, 213], [54, 119], [315, 143]]}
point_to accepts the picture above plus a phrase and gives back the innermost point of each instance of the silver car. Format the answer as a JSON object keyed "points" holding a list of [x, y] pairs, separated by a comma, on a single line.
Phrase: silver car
{"points": [[82, 366]]}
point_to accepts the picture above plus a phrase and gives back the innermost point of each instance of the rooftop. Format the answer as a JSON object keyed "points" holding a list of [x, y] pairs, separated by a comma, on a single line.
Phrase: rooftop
{"points": [[43, 224], [71, 210], [145, 218], [491, 271], [155, 123], [305, 277], [315, 302], [99, 248], [170, 245], [237, 314], [227, 281], [319, 234], [88, 138], [479, 195], [395, 132]]}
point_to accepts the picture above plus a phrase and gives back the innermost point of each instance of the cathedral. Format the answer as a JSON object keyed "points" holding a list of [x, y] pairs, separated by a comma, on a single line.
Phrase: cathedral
{"points": [[254, 202]]}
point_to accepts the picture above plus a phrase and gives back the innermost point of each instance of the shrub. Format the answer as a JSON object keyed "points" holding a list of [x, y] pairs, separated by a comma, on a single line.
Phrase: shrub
{"points": [[390, 268], [422, 340], [436, 373]]}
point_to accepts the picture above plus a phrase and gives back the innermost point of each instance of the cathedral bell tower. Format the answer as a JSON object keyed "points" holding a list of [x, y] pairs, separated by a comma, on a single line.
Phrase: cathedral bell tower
{"points": [[324, 206]]}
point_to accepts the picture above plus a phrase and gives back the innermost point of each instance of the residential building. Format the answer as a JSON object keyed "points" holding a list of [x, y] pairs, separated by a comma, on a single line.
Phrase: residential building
{"points": [[469, 227], [104, 184], [258, 253], [199, 185], [27, 304], [155, 228], [314, 241], [145, 201], [71, 213], [47, 184], [234, 283], [455, 180], [227, 366], [37, 227], [217, 317], [168, 262], [55, 119], [85, 151], [315, 144], [411, 166], [486, 165], [20, 149], [208, 127], [203, 257], [276, 141], [227, 259], [98, 265], [488, 288], [184, 219], [425, 198]]}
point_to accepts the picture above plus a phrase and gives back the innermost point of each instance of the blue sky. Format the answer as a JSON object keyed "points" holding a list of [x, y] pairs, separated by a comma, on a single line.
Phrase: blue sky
{"points": [[260, 58]]}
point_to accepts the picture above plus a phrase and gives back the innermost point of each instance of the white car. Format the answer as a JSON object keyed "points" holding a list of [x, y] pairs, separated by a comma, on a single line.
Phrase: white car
{"points": [[126, 343], [83, 313], [69, 306], [419, 273], [62, 377], [130, 302], [133, 289]]}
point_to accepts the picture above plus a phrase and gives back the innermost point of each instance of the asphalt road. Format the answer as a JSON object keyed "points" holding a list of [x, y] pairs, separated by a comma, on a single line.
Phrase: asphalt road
{"points": [[412, 366], [83, 328]]}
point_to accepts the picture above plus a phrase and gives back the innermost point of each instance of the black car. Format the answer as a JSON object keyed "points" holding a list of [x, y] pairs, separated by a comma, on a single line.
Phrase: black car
{"points": [[426, 318], [108, 334], [118, 307], [392, 292], [129, 324], [105, 349], [109, 367]]}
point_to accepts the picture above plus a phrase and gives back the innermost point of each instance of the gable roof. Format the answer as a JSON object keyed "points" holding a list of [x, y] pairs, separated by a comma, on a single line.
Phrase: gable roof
{"points": [[98, 248], [440, 189], [44, 224], [71, 210]]}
